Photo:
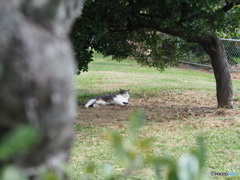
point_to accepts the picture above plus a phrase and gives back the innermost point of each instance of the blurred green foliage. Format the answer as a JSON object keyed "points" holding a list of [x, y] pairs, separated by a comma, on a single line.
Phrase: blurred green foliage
{"points": [[15, 142], [133, 152]]}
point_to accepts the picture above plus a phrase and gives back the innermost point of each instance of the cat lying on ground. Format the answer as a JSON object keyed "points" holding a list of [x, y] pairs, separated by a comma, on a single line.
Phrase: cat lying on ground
{"points": [[113, 99]]}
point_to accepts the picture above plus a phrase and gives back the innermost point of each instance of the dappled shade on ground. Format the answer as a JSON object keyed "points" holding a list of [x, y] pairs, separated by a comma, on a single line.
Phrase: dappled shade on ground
{"points": [[165, 107]]}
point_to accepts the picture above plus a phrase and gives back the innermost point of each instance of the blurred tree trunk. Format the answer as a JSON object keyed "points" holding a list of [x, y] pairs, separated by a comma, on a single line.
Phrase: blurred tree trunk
{"points": [[36, 78]]}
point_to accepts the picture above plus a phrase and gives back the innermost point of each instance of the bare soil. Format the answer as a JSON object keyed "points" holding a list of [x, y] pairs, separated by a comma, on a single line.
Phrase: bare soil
{"points": [[164, 107]]}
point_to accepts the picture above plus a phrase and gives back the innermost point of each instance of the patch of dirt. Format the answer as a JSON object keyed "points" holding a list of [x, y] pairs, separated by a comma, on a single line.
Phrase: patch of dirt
{"points": [[166, 107]]}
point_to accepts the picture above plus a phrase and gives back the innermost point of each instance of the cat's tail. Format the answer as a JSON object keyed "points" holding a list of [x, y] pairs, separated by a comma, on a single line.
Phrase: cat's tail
{"points": [[90, 102]]}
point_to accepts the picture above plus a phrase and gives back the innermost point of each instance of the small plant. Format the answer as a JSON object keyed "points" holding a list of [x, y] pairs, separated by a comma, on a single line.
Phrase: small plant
{"points": [[13, 143], [133, 152], [236, 99]]}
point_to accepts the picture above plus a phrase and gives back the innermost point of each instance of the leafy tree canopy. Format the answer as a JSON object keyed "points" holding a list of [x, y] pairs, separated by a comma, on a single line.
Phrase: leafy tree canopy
{"points": [[141, 28]]}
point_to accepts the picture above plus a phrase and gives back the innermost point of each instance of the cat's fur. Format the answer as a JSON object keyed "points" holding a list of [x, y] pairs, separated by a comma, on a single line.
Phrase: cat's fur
{"points": [[120, 99]]}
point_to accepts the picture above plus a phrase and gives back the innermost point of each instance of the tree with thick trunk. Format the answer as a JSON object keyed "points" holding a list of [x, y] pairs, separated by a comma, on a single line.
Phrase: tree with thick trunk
{"points": [[116, 28], [214, 48], [37, 78]]}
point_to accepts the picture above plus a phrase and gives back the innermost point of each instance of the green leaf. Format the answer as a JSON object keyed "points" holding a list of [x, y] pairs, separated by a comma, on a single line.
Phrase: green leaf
{"points": [[136, 120], [49, 175], [12, 173], [188, 167], [90, 167], [108, 171], [17, 140], [122, 147]]}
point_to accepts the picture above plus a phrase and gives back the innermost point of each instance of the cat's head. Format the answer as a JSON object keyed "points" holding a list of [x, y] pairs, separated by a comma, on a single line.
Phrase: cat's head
{"points": [[125, 93]]}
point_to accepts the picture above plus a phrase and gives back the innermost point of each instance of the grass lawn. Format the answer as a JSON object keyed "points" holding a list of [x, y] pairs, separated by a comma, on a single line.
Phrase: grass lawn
{"points": [[179, 105]]}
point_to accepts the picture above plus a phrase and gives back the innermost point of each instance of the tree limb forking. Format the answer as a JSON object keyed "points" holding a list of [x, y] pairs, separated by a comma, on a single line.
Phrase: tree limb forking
{"points": [[146, 15], [230, 5]]}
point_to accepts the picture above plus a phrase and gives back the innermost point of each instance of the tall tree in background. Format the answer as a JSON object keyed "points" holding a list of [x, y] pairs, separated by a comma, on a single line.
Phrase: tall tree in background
{"points": [[123, 28], [36, 81]]}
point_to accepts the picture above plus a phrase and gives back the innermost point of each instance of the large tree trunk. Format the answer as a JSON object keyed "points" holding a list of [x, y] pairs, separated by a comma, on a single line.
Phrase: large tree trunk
{"points": [[36, 79], [214, 47]]}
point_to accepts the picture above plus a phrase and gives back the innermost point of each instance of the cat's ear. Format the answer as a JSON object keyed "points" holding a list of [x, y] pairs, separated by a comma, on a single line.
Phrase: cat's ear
{"points": [[128, 90], [120, 89]]}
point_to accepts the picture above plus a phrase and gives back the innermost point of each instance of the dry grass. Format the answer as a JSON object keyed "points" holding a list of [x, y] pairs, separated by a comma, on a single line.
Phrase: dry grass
{"points": [[176, 114]]}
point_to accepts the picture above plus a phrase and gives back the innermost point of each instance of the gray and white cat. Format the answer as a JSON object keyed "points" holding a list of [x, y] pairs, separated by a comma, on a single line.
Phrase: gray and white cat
{"points": [[120, 99]]}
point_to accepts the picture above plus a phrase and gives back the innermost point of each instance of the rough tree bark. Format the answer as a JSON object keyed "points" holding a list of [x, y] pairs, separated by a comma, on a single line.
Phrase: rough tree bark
{"points": [[214, 47], [36, 78]]}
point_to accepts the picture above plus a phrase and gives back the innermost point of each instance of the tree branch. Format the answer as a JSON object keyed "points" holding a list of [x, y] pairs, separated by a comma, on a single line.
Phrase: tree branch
{"points": [[143, 3], [146, 15], [185, 13], [131, 2], [230, 5]]}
